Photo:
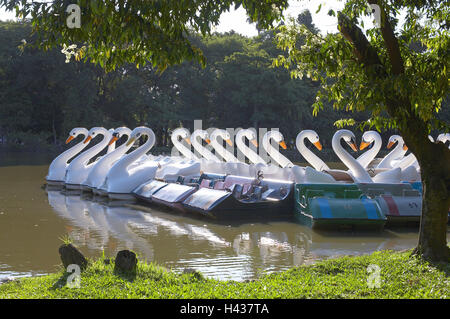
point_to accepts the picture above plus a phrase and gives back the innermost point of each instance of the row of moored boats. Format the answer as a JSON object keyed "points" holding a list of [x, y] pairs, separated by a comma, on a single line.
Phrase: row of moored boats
{"points": [[214, 181]]}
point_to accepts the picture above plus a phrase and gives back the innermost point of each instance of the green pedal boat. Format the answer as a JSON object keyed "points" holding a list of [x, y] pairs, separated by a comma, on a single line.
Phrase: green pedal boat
{"points": [[337, 206]]}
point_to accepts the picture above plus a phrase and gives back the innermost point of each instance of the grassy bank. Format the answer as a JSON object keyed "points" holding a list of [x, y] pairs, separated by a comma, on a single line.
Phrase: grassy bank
{"points": [[402, 276]]}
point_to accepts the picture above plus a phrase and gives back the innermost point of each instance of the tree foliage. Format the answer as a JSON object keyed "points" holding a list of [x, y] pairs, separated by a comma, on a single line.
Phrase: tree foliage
{"points": [[42, 95], [116, 32], [367, 77]]}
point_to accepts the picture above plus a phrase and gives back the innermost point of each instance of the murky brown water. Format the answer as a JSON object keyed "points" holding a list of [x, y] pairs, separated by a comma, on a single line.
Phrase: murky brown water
{"points": [[32, 221]]}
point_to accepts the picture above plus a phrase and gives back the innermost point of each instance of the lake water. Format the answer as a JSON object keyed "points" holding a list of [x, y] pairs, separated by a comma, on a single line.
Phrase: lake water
{"points": [[33, 221]]}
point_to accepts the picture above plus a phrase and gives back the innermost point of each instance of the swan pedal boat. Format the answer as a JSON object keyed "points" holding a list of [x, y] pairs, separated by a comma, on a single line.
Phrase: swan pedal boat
{"points": [[337, 206], [400, 203], [170, 193], [242, 198], [358, 205], [222, 197]]}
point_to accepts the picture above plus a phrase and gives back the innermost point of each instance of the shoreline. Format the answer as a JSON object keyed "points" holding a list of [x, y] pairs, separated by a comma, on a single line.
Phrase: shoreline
{"points": [[399, 274]]}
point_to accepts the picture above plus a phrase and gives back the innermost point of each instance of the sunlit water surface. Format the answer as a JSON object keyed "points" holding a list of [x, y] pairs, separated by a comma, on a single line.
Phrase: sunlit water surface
{"points": [[33, 221]]}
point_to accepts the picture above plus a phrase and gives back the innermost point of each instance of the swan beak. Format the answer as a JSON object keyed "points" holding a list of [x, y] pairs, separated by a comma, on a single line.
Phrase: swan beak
{"points": [[363, 145], [405, 148], [390, 144], [131, 141], [71, 137], [188, 140], [208, 141], [353, 146], [87, 139], [254, 142], [283, 145], [113, 139], [318, 145], [229, 142]]}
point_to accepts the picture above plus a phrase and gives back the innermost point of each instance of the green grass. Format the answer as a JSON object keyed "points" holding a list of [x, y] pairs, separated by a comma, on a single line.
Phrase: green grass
{"points": [[402, 276]]}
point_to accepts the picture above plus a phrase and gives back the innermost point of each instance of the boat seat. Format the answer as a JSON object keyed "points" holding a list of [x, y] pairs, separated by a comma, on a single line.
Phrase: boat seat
{"points": [[180, 180], [257, 192], [213, 182], [230, 180], [246, 188], [205, 183], [195, 180], [219, 185], [266, 193], [237, 191]]}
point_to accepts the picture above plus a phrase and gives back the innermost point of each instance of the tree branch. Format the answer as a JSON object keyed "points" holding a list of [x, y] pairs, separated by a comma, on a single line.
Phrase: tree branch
{"points": [[390, 40], [362, 49]]}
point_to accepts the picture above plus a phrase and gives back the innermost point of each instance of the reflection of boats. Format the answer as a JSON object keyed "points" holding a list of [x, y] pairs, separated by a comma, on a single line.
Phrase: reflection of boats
{"points": [[233, 251]]}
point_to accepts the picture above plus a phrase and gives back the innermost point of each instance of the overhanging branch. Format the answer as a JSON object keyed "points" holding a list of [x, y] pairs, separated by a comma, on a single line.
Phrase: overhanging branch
{"points": [[390, 40], [362, 49]]}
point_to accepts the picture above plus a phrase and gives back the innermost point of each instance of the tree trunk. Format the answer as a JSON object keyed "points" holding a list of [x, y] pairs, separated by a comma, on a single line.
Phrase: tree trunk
{"points": [[433, 158], [434, 161]]}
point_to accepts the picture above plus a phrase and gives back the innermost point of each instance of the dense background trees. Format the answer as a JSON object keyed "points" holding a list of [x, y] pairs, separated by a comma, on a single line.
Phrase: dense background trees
{"points": [[42, 97]]}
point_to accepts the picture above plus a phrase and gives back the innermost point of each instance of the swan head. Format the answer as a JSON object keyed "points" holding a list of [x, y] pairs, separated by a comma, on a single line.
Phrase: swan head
{"points": [[276, 136], [368, 138], [443, 137], [180, 132], [223, 134], [347, 136], [203, 135], [118, 133], [93, 132], [312, 136], [75, 132], [138, 132], [395, 139], [249, 134]]}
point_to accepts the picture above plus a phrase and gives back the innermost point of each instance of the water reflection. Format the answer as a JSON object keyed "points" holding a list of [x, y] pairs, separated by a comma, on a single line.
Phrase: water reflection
{"points": [[222, 251]]}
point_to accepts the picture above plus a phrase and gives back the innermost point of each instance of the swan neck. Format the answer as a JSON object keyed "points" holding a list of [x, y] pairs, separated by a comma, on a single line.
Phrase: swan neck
{"points": [[84, 158], [274, 154], [203, 151], [308, 155], [357, 170], [247, 151]]}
